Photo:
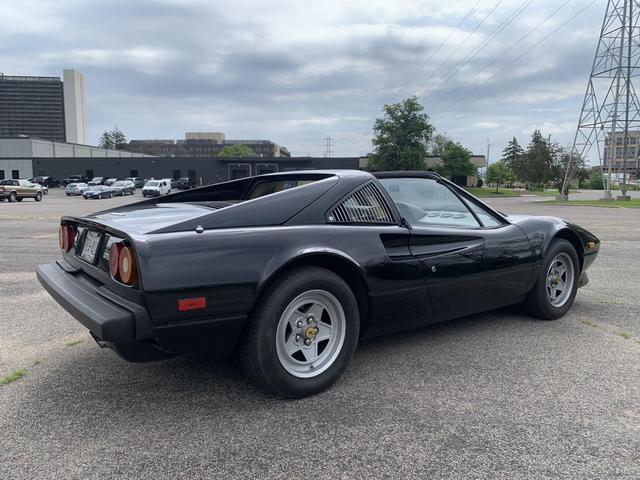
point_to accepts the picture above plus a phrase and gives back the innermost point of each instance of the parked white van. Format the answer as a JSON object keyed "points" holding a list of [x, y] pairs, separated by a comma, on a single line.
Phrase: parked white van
{"points": [[154, 188]]}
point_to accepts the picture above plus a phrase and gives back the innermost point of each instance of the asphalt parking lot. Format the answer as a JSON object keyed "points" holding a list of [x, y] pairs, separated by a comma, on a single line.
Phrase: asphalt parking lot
{"points": [[496, 395]]}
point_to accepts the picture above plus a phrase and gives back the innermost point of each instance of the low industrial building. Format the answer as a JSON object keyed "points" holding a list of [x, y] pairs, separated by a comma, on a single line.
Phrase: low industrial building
{"points": [[204, 144], [29, 157]]}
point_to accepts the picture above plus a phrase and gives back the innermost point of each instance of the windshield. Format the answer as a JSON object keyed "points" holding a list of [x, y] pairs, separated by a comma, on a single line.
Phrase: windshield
{"points": [[152, 183], [118, 184]]}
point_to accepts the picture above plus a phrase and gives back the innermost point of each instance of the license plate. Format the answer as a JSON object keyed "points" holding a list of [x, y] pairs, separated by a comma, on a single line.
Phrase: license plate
{"points": [[90, 246]]}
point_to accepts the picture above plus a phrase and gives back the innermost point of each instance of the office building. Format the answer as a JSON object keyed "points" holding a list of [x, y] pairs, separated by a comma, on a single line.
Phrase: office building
{"points": [[43, 107], [204, 144]]}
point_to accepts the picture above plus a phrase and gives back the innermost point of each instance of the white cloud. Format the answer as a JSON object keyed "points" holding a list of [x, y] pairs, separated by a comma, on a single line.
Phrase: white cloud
{"points": [[296, 71]]}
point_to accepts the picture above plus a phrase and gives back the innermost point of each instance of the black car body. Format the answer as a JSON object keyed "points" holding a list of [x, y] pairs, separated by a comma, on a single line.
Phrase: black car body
{"points": [[209, 261], [137, 181], [49, 182], [98, 192], [186, 183], [74, 179], [97, 181]]}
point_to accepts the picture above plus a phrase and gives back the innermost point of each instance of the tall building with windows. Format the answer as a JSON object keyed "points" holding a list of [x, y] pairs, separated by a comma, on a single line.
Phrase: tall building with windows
{"points": [[616, 156], [44, 107]]}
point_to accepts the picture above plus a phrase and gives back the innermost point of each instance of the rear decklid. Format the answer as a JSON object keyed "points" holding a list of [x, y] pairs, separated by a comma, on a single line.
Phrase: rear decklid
{"points": [[146, 218]]}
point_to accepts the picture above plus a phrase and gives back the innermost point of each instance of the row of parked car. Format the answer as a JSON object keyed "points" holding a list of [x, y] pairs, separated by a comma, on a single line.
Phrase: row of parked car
{"points": [[93, 190]]}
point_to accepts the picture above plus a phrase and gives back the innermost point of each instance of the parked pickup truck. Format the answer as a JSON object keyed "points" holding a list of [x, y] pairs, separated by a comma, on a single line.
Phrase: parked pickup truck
{"points": [[16, 190]]}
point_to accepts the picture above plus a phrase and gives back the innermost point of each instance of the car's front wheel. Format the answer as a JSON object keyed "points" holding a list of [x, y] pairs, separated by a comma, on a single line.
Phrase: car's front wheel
{"points": [[556, 288], [38, 197], [302, 333]]}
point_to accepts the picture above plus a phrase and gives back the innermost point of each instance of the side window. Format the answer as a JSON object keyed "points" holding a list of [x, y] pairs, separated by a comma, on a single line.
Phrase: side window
{"points": [[425, 202], [365, 205], [487, 219]]}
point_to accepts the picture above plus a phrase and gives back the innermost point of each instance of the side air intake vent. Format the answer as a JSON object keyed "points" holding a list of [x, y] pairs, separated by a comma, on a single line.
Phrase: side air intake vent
{"points": [[366, 205]]}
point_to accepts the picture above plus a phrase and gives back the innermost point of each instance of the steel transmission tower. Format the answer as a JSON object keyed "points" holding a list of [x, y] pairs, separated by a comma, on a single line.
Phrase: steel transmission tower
{"points": [[328, 147], [610, 116]]}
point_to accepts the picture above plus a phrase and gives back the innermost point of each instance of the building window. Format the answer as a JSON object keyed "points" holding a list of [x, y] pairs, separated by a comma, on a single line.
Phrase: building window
{"points": [[1, 174], [239, 170], [264, 168], [176, 174], [133, 173], [191, 174], [15, 174], [89, 174]]}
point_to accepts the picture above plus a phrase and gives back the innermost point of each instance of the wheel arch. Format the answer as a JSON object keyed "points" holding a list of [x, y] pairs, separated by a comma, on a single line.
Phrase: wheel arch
{"points": [[573, 238], [337, 262]]}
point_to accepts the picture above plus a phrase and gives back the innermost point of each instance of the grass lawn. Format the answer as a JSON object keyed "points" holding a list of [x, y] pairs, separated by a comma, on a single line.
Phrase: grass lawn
{"points": [[508, 192], [633, 203], [491, 192]]}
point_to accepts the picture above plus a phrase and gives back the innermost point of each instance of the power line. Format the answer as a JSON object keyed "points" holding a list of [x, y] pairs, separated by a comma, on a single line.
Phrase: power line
{"points": [[579, 12], [478, 49], [453, 52], [462, 20], [416, 50], [427, 60], [507, 50]]}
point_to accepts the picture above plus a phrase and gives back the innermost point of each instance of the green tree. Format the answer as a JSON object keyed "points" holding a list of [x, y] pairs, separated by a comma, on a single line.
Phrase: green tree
{"points": [[513, 154], [105, 140], [113, 139], [401, 136], [596, 179], [534, 167], [499, 173], [439, 143], [119, 139], [558, 164], [236, 151], [456, 162]]}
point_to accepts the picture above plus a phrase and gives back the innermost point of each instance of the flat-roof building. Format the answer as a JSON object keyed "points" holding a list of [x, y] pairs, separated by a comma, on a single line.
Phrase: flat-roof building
{"points": [[204, 144]]}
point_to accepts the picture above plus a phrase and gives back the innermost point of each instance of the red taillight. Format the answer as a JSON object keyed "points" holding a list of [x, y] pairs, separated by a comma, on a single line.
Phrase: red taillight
{"points": [[114, 259], [66, 237], [122, 264]]}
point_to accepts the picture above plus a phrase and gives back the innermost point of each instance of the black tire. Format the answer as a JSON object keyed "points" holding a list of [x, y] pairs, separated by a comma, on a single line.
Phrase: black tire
{"points": [[258, 352], [538, 303], [13, 197], [38, 197]]}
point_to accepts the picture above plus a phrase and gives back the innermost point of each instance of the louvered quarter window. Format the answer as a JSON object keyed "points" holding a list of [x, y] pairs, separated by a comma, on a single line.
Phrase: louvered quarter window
{"points": [[365, 205]]}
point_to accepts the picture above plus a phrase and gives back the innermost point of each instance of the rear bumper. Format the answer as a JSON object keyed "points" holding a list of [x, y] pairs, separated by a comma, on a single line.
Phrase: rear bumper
{"points": [[114, 322]]}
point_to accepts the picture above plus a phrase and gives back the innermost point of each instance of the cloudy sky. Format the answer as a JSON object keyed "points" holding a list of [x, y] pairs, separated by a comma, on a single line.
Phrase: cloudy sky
{"points": [[295, 71]]}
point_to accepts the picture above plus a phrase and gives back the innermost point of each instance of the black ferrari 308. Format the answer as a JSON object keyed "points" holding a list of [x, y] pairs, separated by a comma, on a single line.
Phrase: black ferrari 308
{"points": [[288, 270]]}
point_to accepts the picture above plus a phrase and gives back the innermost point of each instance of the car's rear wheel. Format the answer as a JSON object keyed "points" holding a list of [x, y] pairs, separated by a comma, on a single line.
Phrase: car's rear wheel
{"points": [[13, 197], [301, 334], [556, 288], [38, 196]]}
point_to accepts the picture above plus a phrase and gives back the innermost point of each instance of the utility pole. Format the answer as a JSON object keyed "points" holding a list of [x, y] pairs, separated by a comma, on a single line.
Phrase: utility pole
{"points": [[610, 115], [489, 145], [328, 147]]}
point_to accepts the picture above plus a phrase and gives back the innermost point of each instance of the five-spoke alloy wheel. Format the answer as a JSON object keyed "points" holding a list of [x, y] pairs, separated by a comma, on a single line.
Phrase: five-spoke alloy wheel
{"points": [[556, 288], [302, 333]]}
